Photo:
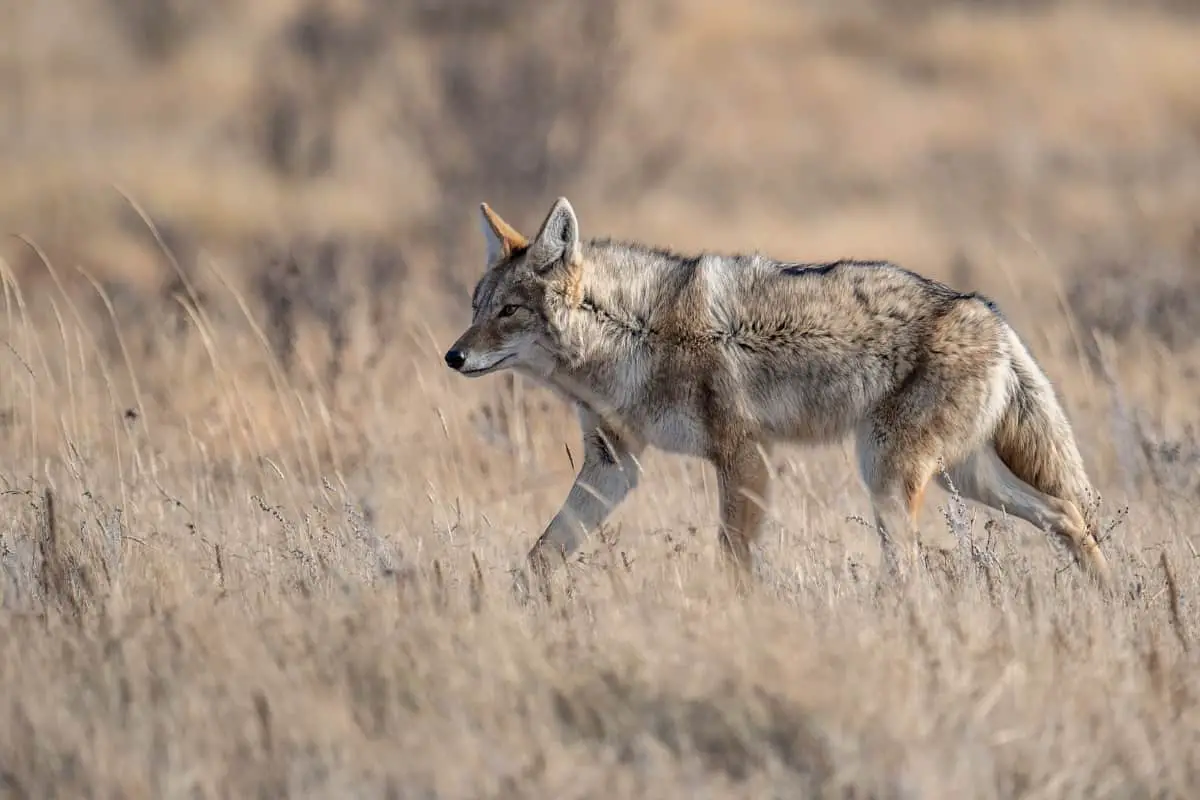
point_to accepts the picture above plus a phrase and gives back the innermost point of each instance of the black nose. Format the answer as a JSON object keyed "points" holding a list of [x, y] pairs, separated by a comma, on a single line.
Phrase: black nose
{"points": [[455, 359]]}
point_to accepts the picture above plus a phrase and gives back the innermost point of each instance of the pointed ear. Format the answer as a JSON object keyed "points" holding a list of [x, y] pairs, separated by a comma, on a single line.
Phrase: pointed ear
{"points": [[502, 238], [558, 238]]}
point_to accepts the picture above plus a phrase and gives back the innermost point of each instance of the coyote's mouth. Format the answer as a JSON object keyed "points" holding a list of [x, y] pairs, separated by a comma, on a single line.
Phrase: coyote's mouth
{"points": [[475, 373]]}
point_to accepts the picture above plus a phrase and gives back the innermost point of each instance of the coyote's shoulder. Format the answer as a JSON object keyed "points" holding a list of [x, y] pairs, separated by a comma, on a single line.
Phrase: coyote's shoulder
{"points": [[722, 355]]}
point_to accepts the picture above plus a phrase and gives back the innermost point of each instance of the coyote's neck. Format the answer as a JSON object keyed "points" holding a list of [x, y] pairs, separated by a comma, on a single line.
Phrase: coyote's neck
{"points": [[602, 348]]}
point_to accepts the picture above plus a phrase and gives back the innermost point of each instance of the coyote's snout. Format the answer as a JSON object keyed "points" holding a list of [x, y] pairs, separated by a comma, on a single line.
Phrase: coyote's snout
{"points": [[719, 356]]}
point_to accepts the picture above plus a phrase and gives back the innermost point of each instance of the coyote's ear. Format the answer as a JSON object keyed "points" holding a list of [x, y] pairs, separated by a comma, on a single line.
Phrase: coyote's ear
{"points": [[502, 238], [558, 238]]}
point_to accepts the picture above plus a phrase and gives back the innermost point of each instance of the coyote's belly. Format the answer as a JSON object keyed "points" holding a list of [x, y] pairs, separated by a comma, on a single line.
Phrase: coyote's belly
{"points": [[692, 415], [677, 429], [808, 396]]}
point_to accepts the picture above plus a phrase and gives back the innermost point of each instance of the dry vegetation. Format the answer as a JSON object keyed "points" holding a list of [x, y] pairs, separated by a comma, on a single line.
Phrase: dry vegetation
{"points": [[256, 540]]}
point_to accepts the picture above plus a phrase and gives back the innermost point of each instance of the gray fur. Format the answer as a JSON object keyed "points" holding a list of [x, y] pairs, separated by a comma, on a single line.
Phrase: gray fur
{"points": [[719, 356]]}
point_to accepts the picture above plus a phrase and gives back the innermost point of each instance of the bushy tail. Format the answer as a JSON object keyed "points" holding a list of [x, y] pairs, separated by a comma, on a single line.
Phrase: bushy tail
{"points": [[1034, 438]]}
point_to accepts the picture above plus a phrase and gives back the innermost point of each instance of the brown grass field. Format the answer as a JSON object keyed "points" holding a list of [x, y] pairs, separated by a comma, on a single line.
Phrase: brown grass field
{"points": [[256, 538]]}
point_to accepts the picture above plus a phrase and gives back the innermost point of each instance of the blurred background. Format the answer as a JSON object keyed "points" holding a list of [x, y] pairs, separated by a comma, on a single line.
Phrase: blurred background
{"points": [[282, 196]]}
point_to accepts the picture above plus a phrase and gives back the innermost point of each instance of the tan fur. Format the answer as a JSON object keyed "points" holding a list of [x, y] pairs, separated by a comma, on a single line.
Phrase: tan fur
{"points": [[510, 239], [719, 356]]}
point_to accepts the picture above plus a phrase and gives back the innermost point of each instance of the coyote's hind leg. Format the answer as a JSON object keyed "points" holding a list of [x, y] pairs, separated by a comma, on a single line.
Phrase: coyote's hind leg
{"points": [[896, 474], [985, 478]]}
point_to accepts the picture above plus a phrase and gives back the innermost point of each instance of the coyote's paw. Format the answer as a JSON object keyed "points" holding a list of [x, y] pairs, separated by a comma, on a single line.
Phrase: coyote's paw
{"points": [[520, 586]]}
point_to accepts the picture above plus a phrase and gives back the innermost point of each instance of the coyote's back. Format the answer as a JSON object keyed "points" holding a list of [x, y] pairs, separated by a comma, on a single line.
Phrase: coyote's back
{"points": [[720, 356], [811, 351]]}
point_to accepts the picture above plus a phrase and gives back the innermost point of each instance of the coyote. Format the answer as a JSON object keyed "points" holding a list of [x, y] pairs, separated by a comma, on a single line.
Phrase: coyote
{"points": [[719, 356]]}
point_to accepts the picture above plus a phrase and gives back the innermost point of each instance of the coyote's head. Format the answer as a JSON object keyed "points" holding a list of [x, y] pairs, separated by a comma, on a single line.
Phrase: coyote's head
{"points": [[521, 293]]}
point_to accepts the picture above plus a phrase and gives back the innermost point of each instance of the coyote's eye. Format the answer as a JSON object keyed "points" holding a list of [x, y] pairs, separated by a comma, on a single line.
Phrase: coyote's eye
{"points": [[509, 310]]}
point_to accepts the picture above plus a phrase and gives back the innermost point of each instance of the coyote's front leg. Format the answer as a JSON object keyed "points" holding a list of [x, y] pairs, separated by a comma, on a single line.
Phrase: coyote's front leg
{"points": [[610, 472], [743, 482]]}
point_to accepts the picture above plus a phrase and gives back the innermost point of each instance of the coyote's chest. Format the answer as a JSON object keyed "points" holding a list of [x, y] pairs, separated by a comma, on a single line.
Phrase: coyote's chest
{"points": [[651, 411]]}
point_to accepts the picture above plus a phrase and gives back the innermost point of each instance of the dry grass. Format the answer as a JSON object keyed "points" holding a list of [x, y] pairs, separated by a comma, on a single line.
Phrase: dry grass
{"points": [[256, 540]]}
